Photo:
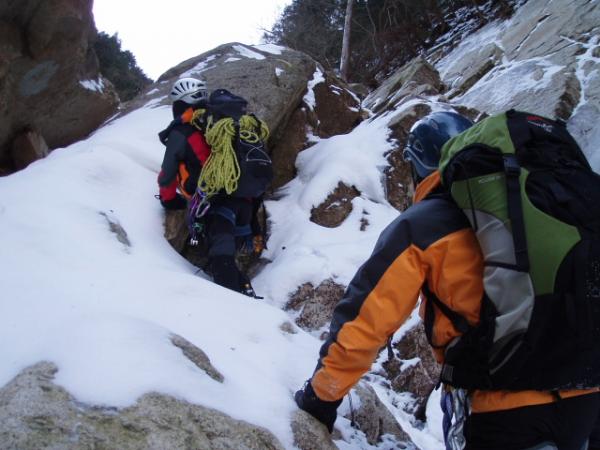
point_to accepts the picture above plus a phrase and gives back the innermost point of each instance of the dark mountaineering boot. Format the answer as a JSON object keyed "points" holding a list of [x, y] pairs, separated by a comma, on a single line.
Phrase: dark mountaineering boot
{"points": [[246, 288]]}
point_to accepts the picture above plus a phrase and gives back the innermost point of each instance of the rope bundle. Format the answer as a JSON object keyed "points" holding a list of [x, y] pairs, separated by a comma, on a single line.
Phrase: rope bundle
{"points": [[222, 170]]}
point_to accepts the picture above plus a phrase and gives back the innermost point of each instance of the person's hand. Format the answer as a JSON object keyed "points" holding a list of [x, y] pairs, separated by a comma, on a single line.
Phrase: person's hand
{"points": [[324, 412], [177, 202]]}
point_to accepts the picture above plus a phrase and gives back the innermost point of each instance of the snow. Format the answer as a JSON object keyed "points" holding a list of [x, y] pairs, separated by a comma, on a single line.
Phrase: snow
{"points": [[198, 68], [103, 307], [270, 48], [232, 59], [302, 251], [309, 97], [247, 53], [93, 85], [279, 71]]}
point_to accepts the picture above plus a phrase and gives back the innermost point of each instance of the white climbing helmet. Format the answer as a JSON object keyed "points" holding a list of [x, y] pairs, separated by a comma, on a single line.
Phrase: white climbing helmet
{"points": [[189, 90]]}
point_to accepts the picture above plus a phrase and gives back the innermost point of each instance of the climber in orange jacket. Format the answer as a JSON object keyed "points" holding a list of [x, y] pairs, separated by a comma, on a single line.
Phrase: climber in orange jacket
{"points": [[431, 249]]}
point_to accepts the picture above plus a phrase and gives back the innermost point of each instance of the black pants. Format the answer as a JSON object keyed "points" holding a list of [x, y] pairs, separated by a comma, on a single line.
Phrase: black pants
{"points": [[226, 215], [566, 423]]}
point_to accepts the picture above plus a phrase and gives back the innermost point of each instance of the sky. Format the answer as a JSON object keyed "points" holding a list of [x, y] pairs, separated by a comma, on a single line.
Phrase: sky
{"points": [[161, 34]]}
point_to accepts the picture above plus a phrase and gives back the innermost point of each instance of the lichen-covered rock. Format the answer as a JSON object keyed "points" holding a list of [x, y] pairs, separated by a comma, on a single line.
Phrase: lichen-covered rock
{"points": [[49, 77], [36, 414], [316, 305], [309, 433]]}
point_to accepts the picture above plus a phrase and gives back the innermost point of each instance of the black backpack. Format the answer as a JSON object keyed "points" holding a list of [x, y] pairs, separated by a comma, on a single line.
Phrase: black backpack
{"points": [[534, 204], [248, 142]]}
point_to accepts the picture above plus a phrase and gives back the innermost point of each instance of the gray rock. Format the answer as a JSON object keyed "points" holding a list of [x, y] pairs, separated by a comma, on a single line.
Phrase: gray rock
{"points": [[402, 83], [309, 433], [465, 72], [116, 228], [37, 414], [316, 305], [545, 92], [418, 377], [374, 419], [273, 84], [539, 64], [539, 27], [49, 78], [197, 356], [584, 127]]}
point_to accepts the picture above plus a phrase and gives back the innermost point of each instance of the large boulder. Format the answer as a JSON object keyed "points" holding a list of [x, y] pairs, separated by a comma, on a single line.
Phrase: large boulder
{"points": [[36, 413], [49, 78], [273, 79]]}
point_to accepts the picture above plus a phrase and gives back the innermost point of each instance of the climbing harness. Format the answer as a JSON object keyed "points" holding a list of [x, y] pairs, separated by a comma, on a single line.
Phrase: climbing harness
{"points": [[198, 208]]}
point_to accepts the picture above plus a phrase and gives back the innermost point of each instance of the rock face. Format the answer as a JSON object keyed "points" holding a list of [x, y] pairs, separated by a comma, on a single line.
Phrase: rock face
{"points": [[37, 414], [542, 62], [49, 79]]}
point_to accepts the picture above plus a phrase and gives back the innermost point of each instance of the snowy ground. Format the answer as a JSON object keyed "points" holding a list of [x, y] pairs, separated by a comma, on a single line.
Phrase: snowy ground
{"points": [[102, 306]]}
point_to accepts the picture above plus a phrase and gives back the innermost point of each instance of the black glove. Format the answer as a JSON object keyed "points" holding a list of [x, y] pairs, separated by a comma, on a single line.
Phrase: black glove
{"points": [[324, 412], [177, 202]]}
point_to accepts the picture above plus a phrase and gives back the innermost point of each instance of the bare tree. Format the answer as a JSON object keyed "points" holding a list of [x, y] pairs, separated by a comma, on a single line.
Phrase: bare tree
{"points": [[345, 59]]}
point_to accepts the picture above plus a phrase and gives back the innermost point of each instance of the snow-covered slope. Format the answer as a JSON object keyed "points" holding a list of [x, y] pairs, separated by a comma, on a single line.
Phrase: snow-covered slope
{"points": [[89, 282]]}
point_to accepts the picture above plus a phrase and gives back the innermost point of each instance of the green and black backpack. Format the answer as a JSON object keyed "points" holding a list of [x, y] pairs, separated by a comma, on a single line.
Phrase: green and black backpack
{"points": [[534, 204]]}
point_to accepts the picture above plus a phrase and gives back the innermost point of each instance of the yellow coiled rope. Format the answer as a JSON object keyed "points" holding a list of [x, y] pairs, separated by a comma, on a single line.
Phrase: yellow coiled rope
{"points": [[221, 170]]}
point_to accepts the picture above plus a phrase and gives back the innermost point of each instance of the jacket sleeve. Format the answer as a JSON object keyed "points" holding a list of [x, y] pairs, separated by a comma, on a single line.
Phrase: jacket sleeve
{"points": [[379, 299], [174, 154]]}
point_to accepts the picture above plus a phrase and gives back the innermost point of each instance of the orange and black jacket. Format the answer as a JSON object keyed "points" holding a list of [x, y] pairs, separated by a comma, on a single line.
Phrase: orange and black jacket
{"points": [[185, 154], [431, 244]]}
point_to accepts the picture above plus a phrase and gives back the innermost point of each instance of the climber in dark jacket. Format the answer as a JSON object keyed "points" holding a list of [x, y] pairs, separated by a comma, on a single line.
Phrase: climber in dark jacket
{"points": [[231, 222], [432, 251], [186, 149]]}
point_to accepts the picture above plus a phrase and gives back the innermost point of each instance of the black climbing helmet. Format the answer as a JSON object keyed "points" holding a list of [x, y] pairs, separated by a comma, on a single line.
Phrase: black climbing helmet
{"points": [[428, 136]]}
